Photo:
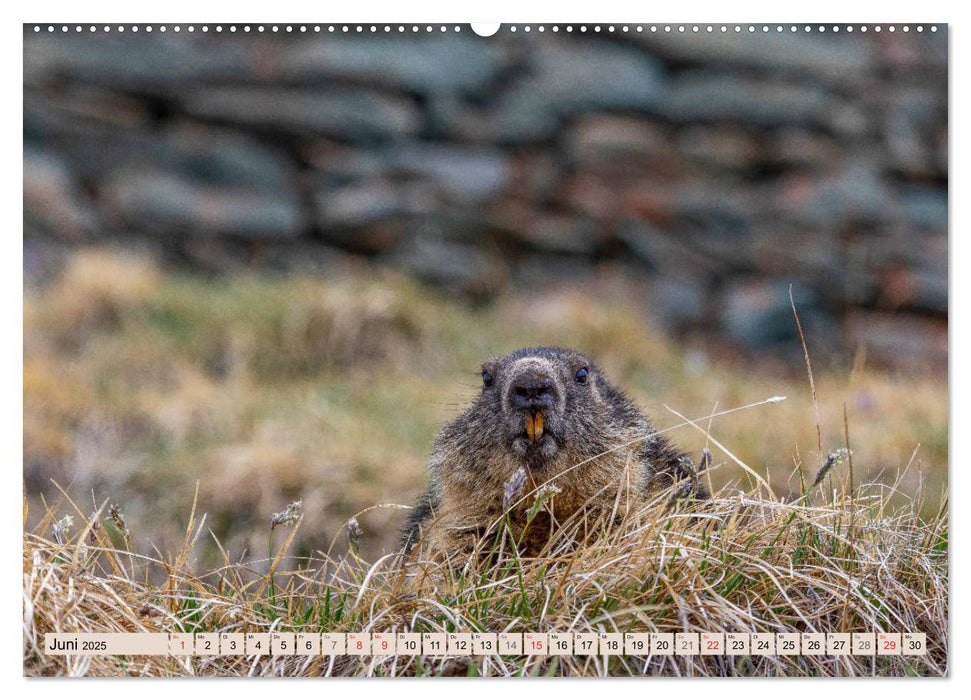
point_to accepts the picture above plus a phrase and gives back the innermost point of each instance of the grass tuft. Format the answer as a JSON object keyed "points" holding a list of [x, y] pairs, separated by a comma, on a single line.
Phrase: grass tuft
{"points": [[740, 562]]}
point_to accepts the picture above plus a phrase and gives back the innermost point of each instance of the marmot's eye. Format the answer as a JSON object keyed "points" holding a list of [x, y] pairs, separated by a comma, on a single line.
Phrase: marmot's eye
{"points": [[486, 378], [581, 375]]}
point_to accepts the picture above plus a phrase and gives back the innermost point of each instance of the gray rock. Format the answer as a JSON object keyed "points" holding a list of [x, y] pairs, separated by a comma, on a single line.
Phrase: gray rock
{"points": [[721, 146], [367, 202], [44, 258], [795, 146], [710, 97], [911, 119], [342, 164], [189, 180], [536, 173], [536, 229], [548, 270], [667, 253], [835, 58], [618, 144], [562, 79], [925, 208], [303, 256], [358, 204], [225, 158], [97, 156], [758, 313], [930, 291], [914, 54], [562, 234], [163, 203], [467, 174], [679, 301], [718, 218], [80, 112], [898, 248], [154, 64], [53, 200], [591, 195], [857, 195], [457, 266], [908, 272], [421, 64], [782, 251], [346, 114]]}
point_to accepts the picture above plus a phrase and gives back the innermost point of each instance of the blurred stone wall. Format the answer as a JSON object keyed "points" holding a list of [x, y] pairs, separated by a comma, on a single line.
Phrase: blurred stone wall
{"points": [[711, 170]]}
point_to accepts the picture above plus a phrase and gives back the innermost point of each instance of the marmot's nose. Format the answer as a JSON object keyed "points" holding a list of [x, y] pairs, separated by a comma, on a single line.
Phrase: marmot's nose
{"points": [[531, 392]]}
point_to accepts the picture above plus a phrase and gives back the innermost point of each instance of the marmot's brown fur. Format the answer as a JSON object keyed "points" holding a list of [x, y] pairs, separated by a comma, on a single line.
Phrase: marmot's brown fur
{"points": [[543, 415]]}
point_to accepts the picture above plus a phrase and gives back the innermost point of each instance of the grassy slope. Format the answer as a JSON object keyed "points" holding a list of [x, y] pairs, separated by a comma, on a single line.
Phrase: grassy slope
{"points": [[138, 384]]}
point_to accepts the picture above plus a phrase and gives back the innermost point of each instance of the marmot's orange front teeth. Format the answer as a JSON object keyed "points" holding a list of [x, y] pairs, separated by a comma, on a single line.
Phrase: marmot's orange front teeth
{"points": [[534, 426]]}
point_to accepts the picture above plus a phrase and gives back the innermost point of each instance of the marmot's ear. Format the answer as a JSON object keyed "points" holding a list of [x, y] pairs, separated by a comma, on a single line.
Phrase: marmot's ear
{"points": [[490, 369]]}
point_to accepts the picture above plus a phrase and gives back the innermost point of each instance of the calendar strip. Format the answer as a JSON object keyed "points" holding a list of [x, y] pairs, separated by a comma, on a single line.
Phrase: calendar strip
{"points": [[442, 644]]}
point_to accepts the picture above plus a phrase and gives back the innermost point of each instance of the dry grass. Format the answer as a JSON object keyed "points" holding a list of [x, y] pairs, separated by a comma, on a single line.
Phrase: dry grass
{"points": [[142, 386], [743, 562]]}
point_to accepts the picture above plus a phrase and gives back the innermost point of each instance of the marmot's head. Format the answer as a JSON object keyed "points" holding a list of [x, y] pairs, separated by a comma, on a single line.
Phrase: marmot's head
{"points": [[547, 400]]}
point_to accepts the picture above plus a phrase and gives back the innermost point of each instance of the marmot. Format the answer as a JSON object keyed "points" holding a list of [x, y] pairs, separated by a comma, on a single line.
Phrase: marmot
{"points": [[543, 416]]}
